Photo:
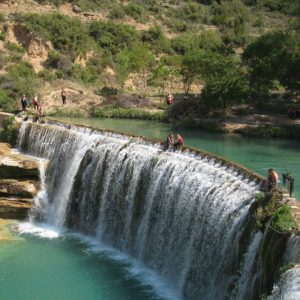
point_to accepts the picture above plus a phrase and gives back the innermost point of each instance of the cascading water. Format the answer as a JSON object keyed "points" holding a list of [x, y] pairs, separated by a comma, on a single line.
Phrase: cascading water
{"points": [[178, 213]]}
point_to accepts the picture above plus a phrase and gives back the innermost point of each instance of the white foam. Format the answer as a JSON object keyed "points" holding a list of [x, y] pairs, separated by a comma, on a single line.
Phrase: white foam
{"points": [[40, 230]]}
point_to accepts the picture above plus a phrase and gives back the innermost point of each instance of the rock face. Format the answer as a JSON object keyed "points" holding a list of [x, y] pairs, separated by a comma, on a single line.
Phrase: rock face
{"points": [[19, 183]]}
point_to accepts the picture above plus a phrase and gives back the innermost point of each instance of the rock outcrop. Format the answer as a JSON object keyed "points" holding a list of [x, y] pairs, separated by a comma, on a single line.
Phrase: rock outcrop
{"points": [[19, 183]]}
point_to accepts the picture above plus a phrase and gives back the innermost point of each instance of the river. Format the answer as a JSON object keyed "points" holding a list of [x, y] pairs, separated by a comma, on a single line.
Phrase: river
{"points": [[257, 154]]}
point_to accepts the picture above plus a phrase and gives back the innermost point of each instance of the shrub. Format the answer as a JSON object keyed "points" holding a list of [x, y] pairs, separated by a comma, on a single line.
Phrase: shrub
{"points": [[282, 219], [67, 34], [113, 37], [117, 12], [193, 12], [19, 80], [58, 61], [86, 74], [7, 103], [107, 91], [10, 131], [15, 48], [126, 113], [136, 11]]}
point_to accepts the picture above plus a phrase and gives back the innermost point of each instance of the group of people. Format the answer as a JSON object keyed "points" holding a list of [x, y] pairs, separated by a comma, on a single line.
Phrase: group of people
{"points": [[36, 104], [171, 142]]}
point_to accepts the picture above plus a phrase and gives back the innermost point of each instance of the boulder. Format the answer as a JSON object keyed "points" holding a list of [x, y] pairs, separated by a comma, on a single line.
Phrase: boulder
{"points": [[14, 208], [21, 188], [16, 165], [19, 183]]}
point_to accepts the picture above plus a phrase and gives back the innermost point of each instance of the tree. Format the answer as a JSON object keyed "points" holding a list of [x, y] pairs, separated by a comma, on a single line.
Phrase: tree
{"points": [[273, 58], [141, 60], [161, 75], [221, 92]]}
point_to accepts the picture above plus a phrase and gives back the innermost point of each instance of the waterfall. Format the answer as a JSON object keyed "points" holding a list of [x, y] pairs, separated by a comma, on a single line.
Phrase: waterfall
{"points": [[288, 287], [180, 214]]}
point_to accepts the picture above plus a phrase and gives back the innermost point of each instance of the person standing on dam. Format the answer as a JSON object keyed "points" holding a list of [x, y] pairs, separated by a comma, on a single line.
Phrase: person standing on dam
{"points": [[272, 180]]}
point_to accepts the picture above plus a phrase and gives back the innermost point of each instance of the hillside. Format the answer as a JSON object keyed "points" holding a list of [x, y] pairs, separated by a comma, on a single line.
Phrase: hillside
{"points": [[149, 48]]}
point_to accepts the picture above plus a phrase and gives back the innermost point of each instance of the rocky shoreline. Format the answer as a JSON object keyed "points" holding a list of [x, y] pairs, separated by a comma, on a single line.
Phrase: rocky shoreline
{"points": [[19, 183]]}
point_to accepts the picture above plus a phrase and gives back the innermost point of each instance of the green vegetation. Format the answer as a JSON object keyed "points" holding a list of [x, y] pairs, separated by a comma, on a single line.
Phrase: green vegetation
{"points": [[10, 131], [68, 35], [126, 113], [20, 79], [282, 219], [218, 51]]}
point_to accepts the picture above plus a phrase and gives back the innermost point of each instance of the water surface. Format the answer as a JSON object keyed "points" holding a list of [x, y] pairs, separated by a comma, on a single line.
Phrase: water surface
{"points": [[257, 154]]}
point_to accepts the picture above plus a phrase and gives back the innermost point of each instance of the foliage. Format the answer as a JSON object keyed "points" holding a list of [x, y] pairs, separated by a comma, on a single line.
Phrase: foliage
{"points": [[273, 58], [282, 219], [193, 12], [107, 91], [126, 113], [19, 80], [136, 11], [67, 34], [117, 12], [223, 91], [233, 17], [10, 131], [113, 37], [139, 59], [156, 39], [6, 103]]}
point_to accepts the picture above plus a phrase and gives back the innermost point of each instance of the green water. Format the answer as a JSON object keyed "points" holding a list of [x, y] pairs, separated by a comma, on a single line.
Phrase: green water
{"points": [[256, 154], [65, 268]]}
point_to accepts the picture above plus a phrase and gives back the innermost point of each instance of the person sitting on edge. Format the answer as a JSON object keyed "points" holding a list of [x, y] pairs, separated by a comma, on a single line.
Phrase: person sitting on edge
{"points": [[272, 180], [35, 102], [170, 140], [24, 103], [179, 142], [63, 97], [170, 99]]}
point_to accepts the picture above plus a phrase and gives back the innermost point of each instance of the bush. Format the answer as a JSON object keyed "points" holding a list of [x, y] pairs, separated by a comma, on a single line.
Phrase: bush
{"points": [[19, 80], [59, 61], [7, 103], [126, 113], [69, 35], [117, 12], [282, 219], [15, 48], [193, 12], [10, 131], [113, 37], [136, 11], [186, 109], [107, 91]]}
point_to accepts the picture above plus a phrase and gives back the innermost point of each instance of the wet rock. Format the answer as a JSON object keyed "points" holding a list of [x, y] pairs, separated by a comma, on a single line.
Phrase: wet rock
{"points": [[19, 183], [16, 165], [22, 188]]}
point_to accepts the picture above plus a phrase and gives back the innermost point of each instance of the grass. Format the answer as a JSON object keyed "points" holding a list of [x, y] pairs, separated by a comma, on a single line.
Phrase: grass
{"points": [[282, 219], [126, 113]]}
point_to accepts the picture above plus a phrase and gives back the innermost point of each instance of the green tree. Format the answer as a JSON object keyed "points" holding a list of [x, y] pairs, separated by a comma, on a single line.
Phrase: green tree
{"points": [[161, 75], [142, 60], [271, 58]]}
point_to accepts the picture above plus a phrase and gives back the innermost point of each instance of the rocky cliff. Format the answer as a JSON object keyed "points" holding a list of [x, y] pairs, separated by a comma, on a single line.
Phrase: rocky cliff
{"points": [[19, 183]]}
